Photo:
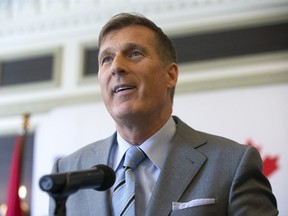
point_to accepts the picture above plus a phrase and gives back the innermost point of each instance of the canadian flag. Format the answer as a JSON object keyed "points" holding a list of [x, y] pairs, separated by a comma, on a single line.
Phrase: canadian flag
{"points": [[13, 199]]}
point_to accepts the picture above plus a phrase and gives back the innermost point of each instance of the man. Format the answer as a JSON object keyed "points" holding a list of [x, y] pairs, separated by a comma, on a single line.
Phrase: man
{"points": [[184, 171]]}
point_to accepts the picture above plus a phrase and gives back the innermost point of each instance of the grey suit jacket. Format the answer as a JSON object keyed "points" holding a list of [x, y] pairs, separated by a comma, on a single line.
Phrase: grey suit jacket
{"points": [[199, 166]]}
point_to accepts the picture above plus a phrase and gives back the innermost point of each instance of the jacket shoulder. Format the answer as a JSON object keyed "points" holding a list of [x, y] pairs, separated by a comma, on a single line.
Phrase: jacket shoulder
{"points": [[87, 156]]}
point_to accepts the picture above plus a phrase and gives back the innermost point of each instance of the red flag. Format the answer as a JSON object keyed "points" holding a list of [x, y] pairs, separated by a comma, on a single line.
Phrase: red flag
{"points": [[13, 199]]}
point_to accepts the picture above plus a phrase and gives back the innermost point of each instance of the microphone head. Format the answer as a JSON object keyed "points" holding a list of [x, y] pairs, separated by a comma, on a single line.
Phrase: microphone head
{"points": [[109, 177]]}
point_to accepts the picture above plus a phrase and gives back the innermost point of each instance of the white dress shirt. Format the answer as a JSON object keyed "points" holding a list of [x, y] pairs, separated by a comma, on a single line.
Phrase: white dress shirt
{"points": [[156, 149]]}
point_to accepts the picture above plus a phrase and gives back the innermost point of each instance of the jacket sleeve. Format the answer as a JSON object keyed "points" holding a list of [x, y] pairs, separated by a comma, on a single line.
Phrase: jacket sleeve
{"points": [[251, 193]]}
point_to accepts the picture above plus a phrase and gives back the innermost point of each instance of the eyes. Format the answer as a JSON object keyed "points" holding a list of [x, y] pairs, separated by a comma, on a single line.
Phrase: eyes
{"points": [[132, 55], [106, 59], [135, 54]]}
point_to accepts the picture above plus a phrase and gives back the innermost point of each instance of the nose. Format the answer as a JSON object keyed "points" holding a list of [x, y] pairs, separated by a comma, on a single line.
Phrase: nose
{"points": [[118, 66]]}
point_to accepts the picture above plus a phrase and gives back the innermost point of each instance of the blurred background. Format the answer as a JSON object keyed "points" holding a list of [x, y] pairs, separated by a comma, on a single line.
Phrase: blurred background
{"points": [[233, 58]]}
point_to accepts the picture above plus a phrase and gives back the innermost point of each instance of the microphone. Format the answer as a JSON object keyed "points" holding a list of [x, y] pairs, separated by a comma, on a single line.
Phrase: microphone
{"points": [[99, 177]]}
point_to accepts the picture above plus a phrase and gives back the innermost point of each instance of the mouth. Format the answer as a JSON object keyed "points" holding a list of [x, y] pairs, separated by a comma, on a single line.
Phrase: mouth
{"points": [[120, 88]]}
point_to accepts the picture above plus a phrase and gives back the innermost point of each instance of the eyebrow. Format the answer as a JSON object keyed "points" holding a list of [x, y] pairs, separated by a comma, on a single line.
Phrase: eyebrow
{"points": [[134, 46], [126, 48]]}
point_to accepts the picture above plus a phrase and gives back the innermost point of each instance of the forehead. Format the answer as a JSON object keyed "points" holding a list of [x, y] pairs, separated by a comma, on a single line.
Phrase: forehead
{"points": [[129, 34]]}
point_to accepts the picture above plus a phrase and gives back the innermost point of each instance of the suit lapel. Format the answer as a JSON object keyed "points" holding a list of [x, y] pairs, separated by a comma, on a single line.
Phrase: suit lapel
{"points": [[182, 164]]}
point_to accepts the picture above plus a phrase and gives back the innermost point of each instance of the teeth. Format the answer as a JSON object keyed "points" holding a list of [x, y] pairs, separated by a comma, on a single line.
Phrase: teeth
{"points": [[122, 88]]}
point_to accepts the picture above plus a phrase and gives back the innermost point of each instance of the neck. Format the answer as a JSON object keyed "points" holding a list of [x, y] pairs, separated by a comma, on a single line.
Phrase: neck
{"points": [[139, 130]]}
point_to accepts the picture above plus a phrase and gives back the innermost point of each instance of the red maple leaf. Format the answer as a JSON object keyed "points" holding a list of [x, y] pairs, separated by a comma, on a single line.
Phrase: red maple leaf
{"points": [[270, 163]]}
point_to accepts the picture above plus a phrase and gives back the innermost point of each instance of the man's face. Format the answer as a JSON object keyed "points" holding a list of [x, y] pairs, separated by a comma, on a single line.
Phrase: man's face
{"points": [[132, 79]]}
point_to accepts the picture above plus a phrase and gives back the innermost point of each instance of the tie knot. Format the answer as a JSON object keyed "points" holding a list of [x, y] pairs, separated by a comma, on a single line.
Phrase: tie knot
{"points": [[134, 155]]}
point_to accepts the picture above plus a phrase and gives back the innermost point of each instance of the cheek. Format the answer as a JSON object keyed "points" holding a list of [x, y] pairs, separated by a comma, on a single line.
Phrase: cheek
{"points": [[104, 85], [103, 79], [154, 86], [158, 80]]}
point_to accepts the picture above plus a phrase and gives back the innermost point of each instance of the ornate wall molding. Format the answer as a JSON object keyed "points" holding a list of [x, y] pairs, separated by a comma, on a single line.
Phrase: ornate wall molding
{"points": [[19, 18]]}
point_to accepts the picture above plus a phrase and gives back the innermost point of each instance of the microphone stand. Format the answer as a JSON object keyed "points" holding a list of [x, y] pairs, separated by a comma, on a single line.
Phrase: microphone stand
{"points": [[60, 203], [60, 209]]}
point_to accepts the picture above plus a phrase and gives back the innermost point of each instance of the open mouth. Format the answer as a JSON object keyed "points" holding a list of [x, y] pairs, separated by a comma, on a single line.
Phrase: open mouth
{"points": [[122, 88]]}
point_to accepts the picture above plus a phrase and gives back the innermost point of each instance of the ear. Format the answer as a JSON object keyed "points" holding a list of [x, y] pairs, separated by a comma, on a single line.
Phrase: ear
{"points": [[172, 75]]}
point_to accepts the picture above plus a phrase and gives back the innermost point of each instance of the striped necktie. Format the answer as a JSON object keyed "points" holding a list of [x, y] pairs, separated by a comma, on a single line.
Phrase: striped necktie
{"points": [[123, 198]]}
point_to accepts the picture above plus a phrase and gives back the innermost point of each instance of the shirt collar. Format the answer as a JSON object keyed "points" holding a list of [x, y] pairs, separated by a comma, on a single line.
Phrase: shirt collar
{"points": [[156, 147]]}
